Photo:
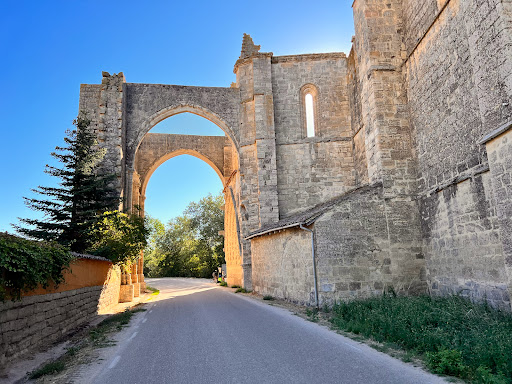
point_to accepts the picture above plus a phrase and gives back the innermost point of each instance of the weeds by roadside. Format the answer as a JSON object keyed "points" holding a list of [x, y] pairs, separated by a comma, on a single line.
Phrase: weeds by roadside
{"points": [[242, 290], [48, 369], [97, 337], [268, 297], [154, 290], [452, 335], [223, 284]]}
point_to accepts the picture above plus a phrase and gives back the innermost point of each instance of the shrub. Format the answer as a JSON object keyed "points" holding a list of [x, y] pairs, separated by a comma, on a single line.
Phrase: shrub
{"points": [[223, 284], [268, 297], [26, 264], [119, 237], [455, 335]]}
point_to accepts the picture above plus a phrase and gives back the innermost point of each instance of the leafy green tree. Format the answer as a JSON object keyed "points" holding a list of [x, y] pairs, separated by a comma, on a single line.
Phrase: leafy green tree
{"points": [[71, 209], [191, 245], [119, 237]]}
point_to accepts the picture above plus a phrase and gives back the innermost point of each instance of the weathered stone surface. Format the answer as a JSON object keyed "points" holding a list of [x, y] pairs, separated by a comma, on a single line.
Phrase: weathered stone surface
{"points": [[403, 113]]}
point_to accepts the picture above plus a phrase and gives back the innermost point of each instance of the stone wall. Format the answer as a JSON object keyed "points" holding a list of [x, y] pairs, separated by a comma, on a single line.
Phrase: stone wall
{"points": [[499, 150], [357, 250], [311, 169], [39, 319], [283, 266], [457, 73]]}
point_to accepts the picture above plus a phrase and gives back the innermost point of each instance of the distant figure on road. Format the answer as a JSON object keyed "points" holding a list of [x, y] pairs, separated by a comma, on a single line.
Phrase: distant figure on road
{"points": [[214, 274]]}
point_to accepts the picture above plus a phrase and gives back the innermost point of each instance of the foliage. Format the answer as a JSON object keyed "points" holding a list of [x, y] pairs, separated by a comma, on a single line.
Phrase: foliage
{"points": [[223, 284], [119, 237], [268, 297], [190, 245], [242, 290], [25, 264], [47, 369], [72, 208], [454, 335]]}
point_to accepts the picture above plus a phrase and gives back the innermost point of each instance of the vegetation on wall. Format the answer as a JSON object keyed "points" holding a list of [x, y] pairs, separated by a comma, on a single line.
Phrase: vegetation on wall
{"points": [[25, 264], [453, 335], [190, 245], [71, 209]]}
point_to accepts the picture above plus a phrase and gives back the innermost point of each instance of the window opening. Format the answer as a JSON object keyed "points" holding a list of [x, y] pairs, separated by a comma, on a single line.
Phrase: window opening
{"points": [[310, 115]]}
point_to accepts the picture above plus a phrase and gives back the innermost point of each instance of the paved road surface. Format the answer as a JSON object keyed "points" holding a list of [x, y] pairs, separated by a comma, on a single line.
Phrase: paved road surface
{"points": [[196, 332]]}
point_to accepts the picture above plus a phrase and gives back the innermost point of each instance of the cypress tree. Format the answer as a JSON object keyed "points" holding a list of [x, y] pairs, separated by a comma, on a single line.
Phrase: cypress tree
{"points": [[71, 209]]}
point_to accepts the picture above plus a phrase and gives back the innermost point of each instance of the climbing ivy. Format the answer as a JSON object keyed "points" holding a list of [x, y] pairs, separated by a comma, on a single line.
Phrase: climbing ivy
{"points": [[26, 264]]}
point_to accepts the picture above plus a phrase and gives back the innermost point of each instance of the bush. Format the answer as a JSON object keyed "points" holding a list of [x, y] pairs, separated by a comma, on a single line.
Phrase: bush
{"points": [[456, 336], [26, 264], [223, 284], [119, 237]]}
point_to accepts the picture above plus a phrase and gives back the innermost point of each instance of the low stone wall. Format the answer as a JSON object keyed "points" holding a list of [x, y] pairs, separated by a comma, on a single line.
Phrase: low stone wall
{"points": [[42, 317], [282, 266]]}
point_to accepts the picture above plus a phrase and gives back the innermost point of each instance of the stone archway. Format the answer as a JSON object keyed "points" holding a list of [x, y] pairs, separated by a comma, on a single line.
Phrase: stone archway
{"points": [[157, 148]]}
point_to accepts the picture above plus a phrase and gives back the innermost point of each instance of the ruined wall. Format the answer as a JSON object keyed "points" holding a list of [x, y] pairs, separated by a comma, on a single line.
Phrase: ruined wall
{"points": [[456, 76], [283, 266], [47, 315], [315, 169]]}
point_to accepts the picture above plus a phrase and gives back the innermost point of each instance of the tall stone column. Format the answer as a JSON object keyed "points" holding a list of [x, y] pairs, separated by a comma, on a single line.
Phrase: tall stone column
{"points": [[110, 125], [388, 138], [258, 170]]}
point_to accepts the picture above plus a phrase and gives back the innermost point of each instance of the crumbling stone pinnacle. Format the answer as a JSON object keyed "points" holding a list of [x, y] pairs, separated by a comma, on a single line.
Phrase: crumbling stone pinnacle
{"points": [[248, 47]]}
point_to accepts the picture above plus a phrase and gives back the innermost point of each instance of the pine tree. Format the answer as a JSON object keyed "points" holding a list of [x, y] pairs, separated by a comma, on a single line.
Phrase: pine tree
{"points": [[71, 209]]}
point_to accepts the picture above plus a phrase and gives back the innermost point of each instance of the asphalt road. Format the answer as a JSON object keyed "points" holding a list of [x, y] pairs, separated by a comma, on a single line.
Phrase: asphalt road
{"points": [[196, 332]]}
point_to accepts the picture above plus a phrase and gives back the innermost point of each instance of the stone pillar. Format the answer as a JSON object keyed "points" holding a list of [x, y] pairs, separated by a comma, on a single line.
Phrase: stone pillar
{"points": [[499, 152], [110, 124], [389, 149], [135, 280], [258, 170], [140, 262], [136, 203]]}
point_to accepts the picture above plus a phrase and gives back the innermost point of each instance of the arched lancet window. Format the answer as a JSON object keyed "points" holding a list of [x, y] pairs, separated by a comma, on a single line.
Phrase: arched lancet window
{"points": [[309, 96]]}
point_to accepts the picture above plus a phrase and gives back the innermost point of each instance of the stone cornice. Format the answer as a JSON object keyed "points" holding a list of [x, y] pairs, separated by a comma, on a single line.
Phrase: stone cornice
{"points": [[308, 57]]}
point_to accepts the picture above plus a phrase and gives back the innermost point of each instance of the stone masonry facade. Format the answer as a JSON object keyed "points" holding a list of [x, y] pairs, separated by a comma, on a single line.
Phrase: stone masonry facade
{"points": [[405, 183]]}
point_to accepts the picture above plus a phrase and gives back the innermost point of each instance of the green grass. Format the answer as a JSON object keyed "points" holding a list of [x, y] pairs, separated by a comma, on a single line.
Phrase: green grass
{"points": [[154, 290], [223, 284], [452, 335], [48, 369], [242, 290]]}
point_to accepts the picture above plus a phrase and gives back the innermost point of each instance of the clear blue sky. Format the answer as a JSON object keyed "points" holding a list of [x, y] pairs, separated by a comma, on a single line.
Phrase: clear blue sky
{"points": [[48, 48]]}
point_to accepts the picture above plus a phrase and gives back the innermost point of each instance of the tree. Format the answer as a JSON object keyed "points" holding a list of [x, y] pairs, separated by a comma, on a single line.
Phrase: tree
{"points": [[191, 245], [71, 209], [119, 237]]}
